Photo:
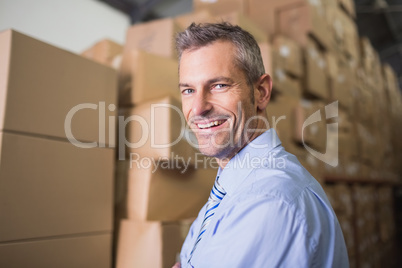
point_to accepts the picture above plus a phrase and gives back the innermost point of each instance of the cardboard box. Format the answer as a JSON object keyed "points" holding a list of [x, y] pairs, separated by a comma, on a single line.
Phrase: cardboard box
{"points": [[263, 13], [287, 55], [347, 226], [92, 251], [364, 106], [332, 62], [343, 88], [148, 244], [104, 52], [266, 54], [163, 192], [340, 170], [53, 188], [348, 145], [156, 37], [368, 142], [219, 7], [390, 78], [303, 20], [202, 16], [43, 88], [369, 55], [155, 129], [151, 77], [266, 13], [280, 112], [237, 18], [351, 41], [393, 103], [334, 24], [285, 84], [351, 166], [316, 75], [387, 217], [312, 164], [120, 185], [343, 30], [343, 193], [340, 195], [312, 134], [349, 7], [330, 193]]}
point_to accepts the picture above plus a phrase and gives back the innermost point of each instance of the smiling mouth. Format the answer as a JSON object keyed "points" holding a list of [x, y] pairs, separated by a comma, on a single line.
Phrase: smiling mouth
{"points": [[210, 124]]}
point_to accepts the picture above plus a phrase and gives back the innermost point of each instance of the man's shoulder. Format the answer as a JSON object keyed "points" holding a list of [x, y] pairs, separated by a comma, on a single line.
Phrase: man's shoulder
{"points": [[283, 178]]}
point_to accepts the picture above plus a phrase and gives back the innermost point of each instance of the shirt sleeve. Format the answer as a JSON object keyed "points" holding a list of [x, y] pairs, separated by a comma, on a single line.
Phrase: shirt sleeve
{"points": [[265, 233]]}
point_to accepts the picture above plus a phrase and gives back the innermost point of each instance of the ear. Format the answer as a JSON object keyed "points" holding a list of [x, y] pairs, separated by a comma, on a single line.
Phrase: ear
{"points": [[263, 89]]}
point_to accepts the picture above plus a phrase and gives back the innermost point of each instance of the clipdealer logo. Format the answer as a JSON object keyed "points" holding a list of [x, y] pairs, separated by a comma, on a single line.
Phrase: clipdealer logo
{"points": [[102, 125], [149, 128], [330, 156]]}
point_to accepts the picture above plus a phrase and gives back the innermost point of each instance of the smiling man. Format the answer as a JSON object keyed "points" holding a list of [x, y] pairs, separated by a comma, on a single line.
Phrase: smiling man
{"points": [[260, 213]]}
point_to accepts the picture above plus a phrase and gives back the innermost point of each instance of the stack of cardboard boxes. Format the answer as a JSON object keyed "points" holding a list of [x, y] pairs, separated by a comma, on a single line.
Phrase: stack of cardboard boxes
{"points": [[365, 213], [366, 226], [162, 182], [333, 106], [341, 197], [105, 52], [392, 119], [56, 156], [386, 212]]}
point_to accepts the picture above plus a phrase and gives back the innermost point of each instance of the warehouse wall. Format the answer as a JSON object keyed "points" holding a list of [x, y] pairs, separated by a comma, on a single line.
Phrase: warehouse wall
{"points": [[72, 25]]}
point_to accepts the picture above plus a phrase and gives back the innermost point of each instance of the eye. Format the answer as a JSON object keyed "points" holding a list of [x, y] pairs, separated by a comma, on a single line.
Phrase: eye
{"points": [[187, 91], [220, 86]]}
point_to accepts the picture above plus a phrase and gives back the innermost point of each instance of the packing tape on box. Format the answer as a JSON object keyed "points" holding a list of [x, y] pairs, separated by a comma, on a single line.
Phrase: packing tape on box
{"points": [[116, 62], [352, 169], [341, 78], [284, 51], [315, 2], [311, 160], [306, 103], [313, 53], [318, 6], [322, 63], [338, 28], [280, 74], [313, 130]]}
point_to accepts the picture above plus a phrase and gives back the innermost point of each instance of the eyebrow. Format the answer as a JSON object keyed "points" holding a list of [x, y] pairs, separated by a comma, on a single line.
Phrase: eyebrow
{"points": [[211, 81]]}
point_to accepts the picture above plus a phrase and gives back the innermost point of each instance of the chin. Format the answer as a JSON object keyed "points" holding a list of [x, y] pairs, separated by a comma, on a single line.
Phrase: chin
{"points": [[208, 152], [216, 153]]}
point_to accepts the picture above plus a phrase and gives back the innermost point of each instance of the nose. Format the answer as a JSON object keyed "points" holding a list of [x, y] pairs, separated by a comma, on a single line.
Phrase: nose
{"points": [[201, 104]]}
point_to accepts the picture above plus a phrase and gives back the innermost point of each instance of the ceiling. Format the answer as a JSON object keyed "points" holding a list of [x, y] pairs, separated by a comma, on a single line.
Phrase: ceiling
{"points": [[379, 20]]}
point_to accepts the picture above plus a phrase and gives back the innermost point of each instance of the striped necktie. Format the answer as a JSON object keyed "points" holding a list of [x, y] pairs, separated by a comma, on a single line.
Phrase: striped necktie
{"points": [[217, 194]]}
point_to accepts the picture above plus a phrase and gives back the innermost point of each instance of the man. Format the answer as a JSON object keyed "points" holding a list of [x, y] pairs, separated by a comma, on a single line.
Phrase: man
{"points": [[265, 209]]}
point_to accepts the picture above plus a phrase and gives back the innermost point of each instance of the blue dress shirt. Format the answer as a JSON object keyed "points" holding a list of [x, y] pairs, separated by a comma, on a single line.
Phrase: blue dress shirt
{"points": [[274, 214]]}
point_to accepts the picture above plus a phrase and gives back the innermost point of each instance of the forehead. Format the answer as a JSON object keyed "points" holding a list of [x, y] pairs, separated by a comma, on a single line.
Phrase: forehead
{"points": [[217, 58]]}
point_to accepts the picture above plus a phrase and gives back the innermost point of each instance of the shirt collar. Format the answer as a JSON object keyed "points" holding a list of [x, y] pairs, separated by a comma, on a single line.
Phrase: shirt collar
{"points": [[240, 166]]}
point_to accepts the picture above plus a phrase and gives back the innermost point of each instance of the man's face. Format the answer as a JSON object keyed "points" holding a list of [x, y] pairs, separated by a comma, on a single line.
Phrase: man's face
{"points": [[216, 99]]}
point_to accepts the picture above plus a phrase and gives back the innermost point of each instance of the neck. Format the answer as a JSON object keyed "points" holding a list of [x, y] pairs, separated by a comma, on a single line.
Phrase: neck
{"points": [[258, 130], [222, 162]]}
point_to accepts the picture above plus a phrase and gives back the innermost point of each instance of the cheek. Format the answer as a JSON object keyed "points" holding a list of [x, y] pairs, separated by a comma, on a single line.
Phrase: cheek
{"points": [[233, 107], [186, 108]]}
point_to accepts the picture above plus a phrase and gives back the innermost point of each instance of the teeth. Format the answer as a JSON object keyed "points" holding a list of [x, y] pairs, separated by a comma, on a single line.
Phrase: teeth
{"points": [[211, 124]]}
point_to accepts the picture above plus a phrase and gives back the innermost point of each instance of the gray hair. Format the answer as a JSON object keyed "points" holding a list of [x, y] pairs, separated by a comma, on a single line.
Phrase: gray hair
{"points": [[248, 56]]}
